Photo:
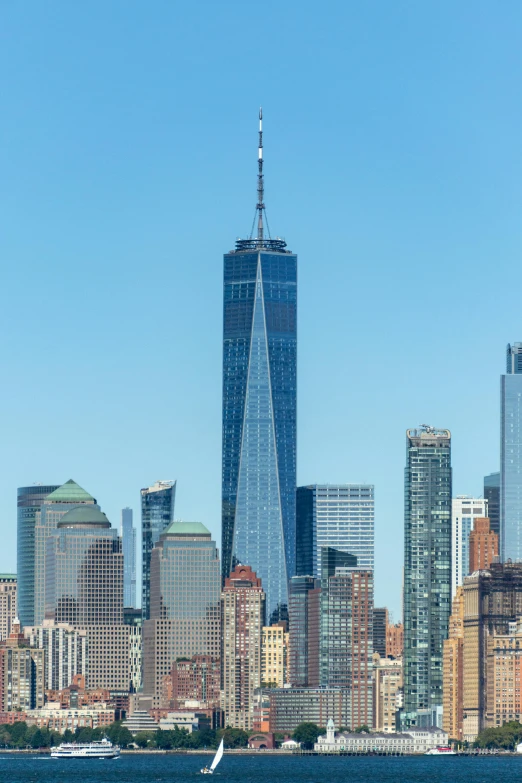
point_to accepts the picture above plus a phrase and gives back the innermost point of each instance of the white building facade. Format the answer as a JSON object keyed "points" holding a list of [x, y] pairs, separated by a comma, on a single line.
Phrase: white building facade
{"points": [[464, 509], [414, 741]]}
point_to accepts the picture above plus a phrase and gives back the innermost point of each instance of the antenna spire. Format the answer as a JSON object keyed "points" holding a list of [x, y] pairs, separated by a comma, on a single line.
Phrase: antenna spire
{"points": [[260, 182]]}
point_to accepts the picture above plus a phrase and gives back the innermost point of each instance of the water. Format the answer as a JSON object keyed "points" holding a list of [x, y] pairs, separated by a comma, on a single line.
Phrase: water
{"points": [[151, 768]]}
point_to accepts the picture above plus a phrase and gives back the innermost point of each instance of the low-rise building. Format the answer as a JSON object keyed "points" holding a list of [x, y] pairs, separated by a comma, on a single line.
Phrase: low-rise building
{"points": [[291, 706], [413, 741], [52, 717], [140, 720], [190, 721]]}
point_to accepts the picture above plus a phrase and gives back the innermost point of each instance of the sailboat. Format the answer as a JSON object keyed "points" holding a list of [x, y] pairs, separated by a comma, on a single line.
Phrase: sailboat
{"points": [[217, 758]]}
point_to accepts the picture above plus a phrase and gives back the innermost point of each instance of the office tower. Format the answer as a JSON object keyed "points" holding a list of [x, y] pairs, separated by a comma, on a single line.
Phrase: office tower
{"points": [[380, 625], [453, 670], [511, 456], [347, 638], [243, 617], [84, 570], [304, 608], [492, 600], [52, 509], [464, 510], [259, 410], [185, 586], [274, 655], [22, 669], [394, 640], [65, 652], [29, 500], [483, 545], [8, 612], [191, 682], [157, 513], [427, 566], [128, 542], [340, 516], [387, 692], [492, 495]]}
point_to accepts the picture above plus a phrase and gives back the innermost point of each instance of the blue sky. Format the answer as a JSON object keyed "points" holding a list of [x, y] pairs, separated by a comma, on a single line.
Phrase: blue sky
{"points": [[128, 161]]}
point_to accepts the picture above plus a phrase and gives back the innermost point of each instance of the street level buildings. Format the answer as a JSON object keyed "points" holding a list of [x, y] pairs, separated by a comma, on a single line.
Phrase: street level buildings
{"points": [[157, 513], [259, 409], [464, 510], [128, 540], [427, 569], [8, 604], [339, 516], [413, 741], [511, 456], [29, 501], [185, 603], [242, 620]]}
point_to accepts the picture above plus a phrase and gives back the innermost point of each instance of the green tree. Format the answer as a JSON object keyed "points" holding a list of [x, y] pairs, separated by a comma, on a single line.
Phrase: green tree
{"points": [[233, 738], [37, 740], [362, 729], [144, 739], [67, 736], [124, 737], [306, 733], [18, 731], [506, 737]]}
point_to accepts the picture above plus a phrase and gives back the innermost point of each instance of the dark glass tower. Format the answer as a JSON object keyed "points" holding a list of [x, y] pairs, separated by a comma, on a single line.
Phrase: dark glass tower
{"points": [[492, 495], [511, 456], [427, 566], [157, 513], [259, 410]]}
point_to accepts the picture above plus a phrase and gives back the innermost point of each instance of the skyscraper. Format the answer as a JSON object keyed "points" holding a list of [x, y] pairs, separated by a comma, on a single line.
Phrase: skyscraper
{"points": [[483, 546], [340, 516], [464, 510], [380, 626], [304, 615], [511, 455], [8, 610], [128, 542], [492, 495], [427, 566], [157, 513], [29, 501], [259, 409]]}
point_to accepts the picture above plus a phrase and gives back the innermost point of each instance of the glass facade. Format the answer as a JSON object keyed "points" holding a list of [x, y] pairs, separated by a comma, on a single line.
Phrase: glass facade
{"points": [[128, 538], [303, 610], [511, 456], [492, 495], [157, 513], [427, 564], [259, 419], [340, 516], [29, 501]]}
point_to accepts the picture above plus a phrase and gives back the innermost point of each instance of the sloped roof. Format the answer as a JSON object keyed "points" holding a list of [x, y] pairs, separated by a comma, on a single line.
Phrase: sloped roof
{"points": [[178, 528], [70, 492]]}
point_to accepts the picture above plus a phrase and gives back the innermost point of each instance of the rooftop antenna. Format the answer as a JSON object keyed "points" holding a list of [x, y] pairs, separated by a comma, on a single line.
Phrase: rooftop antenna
{"points": [[260, 183]]}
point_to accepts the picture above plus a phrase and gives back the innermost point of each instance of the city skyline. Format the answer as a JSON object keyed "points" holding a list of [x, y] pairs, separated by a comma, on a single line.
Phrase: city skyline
{"points": [[384, 214]]}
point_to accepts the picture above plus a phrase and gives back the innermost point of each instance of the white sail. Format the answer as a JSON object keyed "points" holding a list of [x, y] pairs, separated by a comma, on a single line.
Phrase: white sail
{"points": [[217, 757]]}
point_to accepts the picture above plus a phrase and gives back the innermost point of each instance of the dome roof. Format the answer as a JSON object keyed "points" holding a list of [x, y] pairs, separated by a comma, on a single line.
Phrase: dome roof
{"points": [[89, 515], [178, 528]]}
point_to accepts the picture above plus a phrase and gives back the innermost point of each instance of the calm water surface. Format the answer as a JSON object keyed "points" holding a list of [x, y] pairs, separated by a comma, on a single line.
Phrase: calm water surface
{"points": [[260, 769]]}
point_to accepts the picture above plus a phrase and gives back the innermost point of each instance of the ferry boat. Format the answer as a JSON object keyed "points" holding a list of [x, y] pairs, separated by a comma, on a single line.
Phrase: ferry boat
{"points": [[441, 750], [86, 750]]}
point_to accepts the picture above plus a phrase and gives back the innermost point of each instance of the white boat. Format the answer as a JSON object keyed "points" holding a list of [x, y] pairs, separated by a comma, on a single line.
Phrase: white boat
{"points": [[441, 750], [104, 749], [217, 758]]}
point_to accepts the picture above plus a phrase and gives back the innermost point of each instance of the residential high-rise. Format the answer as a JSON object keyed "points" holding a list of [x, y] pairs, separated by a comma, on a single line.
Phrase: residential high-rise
{"points": [[394, 640], [453, 670], [427, 566], [304, 609], [464, 510], [157, 513], [242, 620], [504, 676], [22, 671], [259, 410], [65, 652], [274, 655], [380, 625], [511, 456], [193, 680], [185, 586], [8, 603], [52, 509], [128, 542], [340, 516], [84, 570], [29, 500], [492, 601], [483, 545], [492, 495], [387, 692]]}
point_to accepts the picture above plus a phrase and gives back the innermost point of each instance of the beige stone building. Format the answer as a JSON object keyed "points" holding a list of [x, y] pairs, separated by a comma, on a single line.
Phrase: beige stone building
{"points": [[242, 618], [275, 655], [21, 674], [503, 676], [387, 692], [452, 670], [7, 604]]}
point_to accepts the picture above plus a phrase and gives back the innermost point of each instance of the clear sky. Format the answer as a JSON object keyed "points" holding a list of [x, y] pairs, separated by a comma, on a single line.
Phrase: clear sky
{"points": [[393, 135]]}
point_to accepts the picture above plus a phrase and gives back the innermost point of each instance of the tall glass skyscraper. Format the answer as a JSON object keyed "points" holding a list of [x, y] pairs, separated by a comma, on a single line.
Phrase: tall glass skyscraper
{"points": [[427, 566], [511, 456], [29, 502], [259, 410], [157, 513], [128, 538], [492, 495]]}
